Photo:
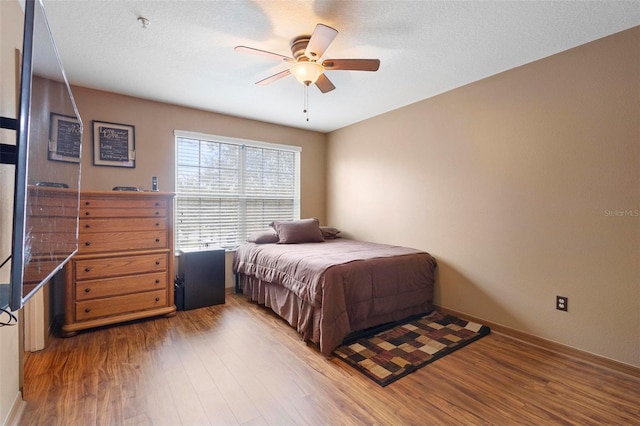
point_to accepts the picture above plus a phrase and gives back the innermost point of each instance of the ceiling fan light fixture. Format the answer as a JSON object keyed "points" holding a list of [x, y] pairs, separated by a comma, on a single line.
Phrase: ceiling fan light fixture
{"points": [[307, 72]]}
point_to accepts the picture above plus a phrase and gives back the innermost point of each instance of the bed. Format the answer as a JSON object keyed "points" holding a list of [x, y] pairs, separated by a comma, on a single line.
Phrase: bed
{"points": [[330, 288]]}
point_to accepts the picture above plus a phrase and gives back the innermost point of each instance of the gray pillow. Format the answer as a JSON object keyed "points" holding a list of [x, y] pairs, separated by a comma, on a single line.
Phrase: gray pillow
{"points": [[298, 231], [263, 237], [330, 233]]}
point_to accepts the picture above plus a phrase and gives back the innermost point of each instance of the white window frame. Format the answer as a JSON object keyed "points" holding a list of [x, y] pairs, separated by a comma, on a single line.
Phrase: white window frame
{"points": [[242, 143]]}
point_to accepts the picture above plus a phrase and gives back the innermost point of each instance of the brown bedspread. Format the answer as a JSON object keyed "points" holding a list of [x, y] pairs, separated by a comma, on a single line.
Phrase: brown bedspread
{"points": [[352, 285]]}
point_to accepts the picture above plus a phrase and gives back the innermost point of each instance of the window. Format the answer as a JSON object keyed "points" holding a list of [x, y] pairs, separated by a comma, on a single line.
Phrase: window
{"points": [[227, 189]]}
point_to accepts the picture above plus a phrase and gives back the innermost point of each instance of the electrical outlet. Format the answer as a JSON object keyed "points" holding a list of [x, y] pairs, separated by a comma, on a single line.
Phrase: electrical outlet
{"points": [[562, 303]]}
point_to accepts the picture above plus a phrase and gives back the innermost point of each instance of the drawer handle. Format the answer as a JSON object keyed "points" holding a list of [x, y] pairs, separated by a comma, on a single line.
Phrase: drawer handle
{"points": [[157, 281], [157, 204], [87, 269], [157, 213], [157, 262], [86, 203], [87, 213], [87, 290], [157, 240], [86, 225], [87, 310], [157, 224], [157, 299], [87, 243]]}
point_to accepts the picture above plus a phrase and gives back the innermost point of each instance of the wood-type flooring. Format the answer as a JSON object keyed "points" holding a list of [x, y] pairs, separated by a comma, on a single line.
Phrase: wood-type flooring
{"points": [[238, 363]]}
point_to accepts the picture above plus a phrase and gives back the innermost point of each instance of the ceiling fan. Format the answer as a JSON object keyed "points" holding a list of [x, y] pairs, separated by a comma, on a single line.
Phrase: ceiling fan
{"points": [[307, 51]]}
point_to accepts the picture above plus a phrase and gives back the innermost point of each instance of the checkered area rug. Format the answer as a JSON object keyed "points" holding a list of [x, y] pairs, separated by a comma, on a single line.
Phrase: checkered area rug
{"points": [[392, 354]]}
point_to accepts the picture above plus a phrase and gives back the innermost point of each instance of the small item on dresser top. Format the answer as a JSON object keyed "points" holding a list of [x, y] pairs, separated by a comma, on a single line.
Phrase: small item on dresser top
{"points": [[52, 184], [154, 184], [126, 188]]}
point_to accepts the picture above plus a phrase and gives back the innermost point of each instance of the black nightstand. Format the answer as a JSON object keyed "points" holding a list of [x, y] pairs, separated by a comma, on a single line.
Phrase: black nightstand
{"points": [[202, 274]]}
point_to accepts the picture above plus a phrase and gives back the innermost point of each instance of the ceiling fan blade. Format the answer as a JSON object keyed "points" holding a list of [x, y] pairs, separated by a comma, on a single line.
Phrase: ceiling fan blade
{"points": [[352, 64], [263, 53], [324, 84], [320, 39], [273, 78]]}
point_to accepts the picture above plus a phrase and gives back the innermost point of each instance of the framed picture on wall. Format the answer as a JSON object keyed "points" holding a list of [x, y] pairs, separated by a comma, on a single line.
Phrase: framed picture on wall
{"points": [[113, 144], [65, 138]]}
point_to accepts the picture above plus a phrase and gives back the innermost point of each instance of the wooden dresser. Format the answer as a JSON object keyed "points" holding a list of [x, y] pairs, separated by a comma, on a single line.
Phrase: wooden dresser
{"points": [[51, 231], [124, 266]]}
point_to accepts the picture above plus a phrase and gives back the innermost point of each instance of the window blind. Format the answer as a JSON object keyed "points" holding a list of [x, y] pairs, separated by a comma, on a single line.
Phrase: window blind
{"points": [[227, 189]]}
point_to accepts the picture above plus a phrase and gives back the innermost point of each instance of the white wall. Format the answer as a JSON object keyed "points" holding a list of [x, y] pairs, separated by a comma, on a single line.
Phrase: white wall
{"points": [[511, 183], [11, 18]]}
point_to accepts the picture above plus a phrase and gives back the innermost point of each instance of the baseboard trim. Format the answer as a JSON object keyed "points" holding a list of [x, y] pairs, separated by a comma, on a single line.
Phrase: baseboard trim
{"points": [[15, 414], [550, 345]]}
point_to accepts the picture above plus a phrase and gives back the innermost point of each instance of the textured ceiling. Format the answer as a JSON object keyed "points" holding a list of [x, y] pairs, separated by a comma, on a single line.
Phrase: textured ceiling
{"points": [[186, 55]]}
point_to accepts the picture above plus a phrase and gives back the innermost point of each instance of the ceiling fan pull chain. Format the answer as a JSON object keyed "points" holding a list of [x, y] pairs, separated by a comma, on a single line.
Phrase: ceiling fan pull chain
{"points": [[306, 100]]}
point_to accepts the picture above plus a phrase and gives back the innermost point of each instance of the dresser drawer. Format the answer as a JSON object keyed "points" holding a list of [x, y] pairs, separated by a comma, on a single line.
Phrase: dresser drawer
{"points": [[93, 289], [114, 212], [87, 269], [90, 226], [122, 241], [89, 309], [36, 271], [52, 202], [52, 225], [133, 201], [48, 244]]}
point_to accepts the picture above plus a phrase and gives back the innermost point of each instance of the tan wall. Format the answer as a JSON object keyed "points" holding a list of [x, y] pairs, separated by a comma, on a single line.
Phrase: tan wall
{"points": [[48, 96], [155, 123], [11, 18], [155, 144], [512, 183]]}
